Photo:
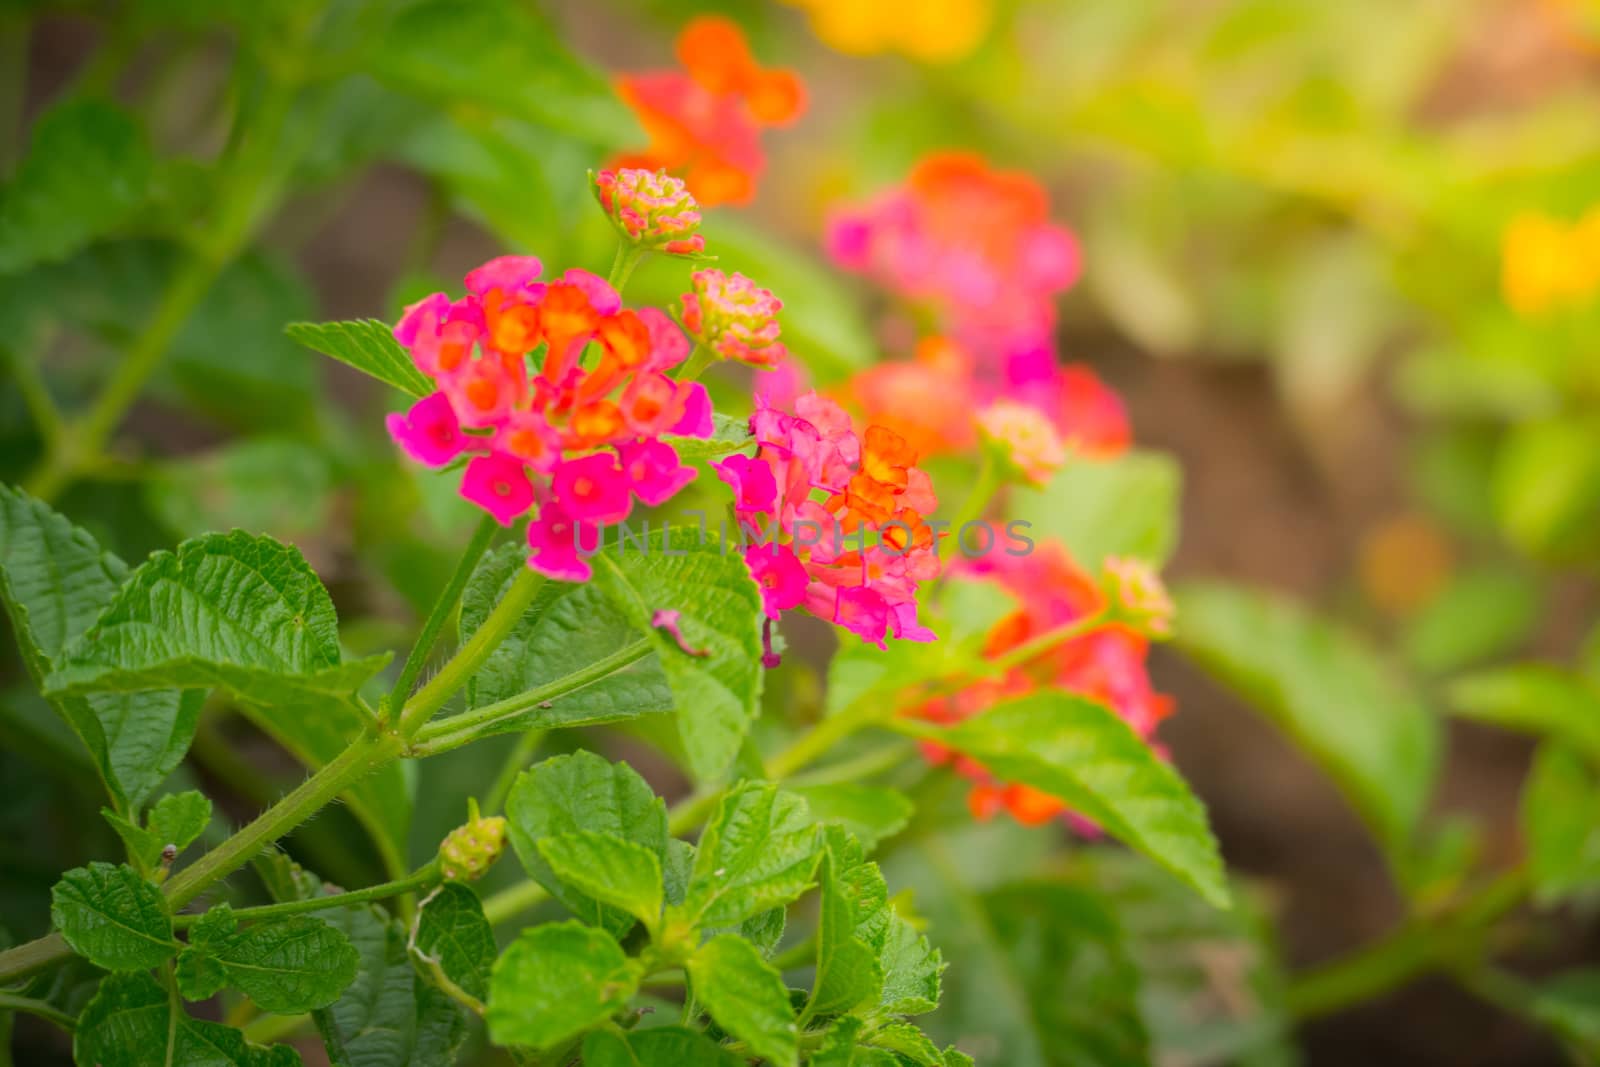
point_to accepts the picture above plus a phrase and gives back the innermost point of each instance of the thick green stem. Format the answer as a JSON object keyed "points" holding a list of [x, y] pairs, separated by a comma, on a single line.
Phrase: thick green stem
{"points": [[699, 359], [465, 663], [449, 596], [622, 264], [422, 877], [1042, 643], [515, 761], [982, 492], [457, 730], [12, 1002], [1419, 946]]}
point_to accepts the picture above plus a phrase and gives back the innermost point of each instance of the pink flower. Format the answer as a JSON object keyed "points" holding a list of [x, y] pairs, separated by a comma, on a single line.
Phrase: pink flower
{"points": [[429, 432], [506, 272], [696, 420], [560, 544], [781, 576], [734, 317], [650, 209], [592, 489], [668, 346], [653, 470], [754, 488], [602, 297], [497, 484]]}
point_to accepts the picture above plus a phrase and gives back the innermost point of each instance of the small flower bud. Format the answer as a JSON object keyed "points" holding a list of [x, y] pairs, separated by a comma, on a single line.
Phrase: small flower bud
{"points": [[734, 317], [470, 850], [1138, 597], [650, 209], [1025, 438]]}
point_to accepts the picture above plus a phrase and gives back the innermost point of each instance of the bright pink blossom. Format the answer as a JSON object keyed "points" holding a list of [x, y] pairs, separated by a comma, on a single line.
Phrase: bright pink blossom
{"points": [[654, 472], [592, 489], [498, 485], [429, 432], [560, 543]]}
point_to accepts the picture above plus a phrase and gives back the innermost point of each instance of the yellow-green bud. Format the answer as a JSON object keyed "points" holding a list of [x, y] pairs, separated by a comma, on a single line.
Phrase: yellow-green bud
{"points": [[471, 850]]}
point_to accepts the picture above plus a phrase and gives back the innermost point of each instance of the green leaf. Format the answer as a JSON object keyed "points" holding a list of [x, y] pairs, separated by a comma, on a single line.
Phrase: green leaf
{"points": [[519, 68], [55, 581], [848, 975], [176, 820], [452, 933], [568, 627], [1560, 805], [1127, 506], [658, 1046], [746, 996], [390, 1014], [1534, 698], [87, 171], [367, 345], [291, 964], [615, 872], [717, 686], [1546, 488], [583, 792], [112, 917], [268, 485], [1569, 1004], [908, 1044], [233, 610], [728, 435], [1479, 615], [131, 1022], [556, 981], [869, 813], [1328, 692], [911, 970], [758, 852], [1085, 755]]}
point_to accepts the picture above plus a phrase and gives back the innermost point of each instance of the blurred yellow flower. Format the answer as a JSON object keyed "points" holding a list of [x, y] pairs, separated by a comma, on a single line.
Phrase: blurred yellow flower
{"points": [[934, 31], [1548, 264]]}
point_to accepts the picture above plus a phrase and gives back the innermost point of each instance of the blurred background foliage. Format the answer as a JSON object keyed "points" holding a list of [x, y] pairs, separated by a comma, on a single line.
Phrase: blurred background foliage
{"points": [[1342, 258]]}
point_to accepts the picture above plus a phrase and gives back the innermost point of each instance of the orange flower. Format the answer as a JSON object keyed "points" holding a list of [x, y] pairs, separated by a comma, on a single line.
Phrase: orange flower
{"points": [[705, 121]]}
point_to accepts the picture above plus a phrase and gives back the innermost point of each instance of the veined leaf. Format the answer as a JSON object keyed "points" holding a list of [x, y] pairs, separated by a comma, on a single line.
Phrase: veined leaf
{"points": [[290, 964], [728, 435], [234, 610], [1085, 755], [615, 872], [576, 793], [912, 970], [176, 820], [556, 981], [746, 997], [113, 917], [1328, 692], [657, 1046], [869, 813], [758, 852], [451, 932], [848, 972], [55, 581], [367, 345], [131, 1022], [1559, 805]]}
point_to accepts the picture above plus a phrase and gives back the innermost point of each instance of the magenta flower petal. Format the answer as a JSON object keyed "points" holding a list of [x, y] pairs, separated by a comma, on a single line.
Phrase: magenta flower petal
{"points": [[429, 433], [498, 485], [593, 489], [696, 420], [654, 471], [505, 272], [559, 545], [781, 576]]}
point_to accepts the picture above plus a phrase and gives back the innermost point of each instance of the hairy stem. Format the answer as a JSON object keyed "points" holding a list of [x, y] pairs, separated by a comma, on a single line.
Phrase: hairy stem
{"points": [[449, 596], [421, 877], [622, 264]]}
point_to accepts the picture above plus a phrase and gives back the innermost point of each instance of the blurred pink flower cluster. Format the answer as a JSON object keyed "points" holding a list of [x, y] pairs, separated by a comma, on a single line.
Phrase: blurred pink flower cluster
{"points": [[540, 426]]}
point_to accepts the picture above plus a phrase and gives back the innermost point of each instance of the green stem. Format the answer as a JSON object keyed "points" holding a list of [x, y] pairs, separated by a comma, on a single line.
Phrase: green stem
{"points": [[267, 1029], [868, 710], [449, 596], [465, 663], [1419, 946], [699, 359], [35, 394], [362, 758], [457, 730], [13, 1002], [1042, 643], [982, 492], [513, 901], [516, 759], [421, 877], [622, 264]]}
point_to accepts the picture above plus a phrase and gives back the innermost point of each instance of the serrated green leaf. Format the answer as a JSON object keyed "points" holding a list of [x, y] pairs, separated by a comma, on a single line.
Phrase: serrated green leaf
{"points": [[176, 820], [286, 965], [582, 791], [1533, 698], [758, 852], [1085, 755], [556, 981], [728, 435], [869, 813], [1328, 692], [87, 171], [55, 581], [233, 610], [658, 1046], [716, 683], [909, 1043], [112, 917], [615, 872], [568, 627], [1127, 506], [131, 1022], [390, 1014], [911, 970], [520, 68], [451, 931], [1560, 802], [367, 345], [848, 973], [747, 998]]}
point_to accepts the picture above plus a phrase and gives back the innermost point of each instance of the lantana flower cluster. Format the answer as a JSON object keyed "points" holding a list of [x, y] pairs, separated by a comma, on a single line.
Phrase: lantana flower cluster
{"points": [[651, 210], [705, 121], [1107, 663], [734, 317], [556, 396], [836, 520]]}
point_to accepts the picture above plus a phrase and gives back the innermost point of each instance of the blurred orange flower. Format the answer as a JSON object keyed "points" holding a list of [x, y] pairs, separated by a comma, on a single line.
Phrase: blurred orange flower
{"points": [[705, 122]]}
